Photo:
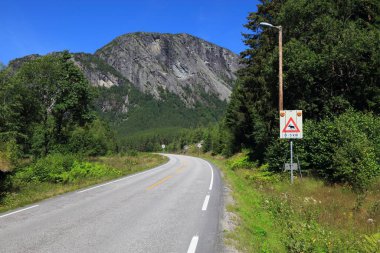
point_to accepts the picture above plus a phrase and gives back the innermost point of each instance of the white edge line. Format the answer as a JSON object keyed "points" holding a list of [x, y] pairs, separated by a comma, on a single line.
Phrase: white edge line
{"points": [[127, 177], [212, 176], [193, 244], [5, 215], [205, 203]]}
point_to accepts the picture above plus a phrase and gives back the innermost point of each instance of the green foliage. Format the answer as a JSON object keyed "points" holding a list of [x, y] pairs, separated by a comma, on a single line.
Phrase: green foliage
{"points": [[45, 169], [67, 173], [48, 108], [331, 64], [307, 216], [301, 231], [93, 139], [342, 149], [146, 113], [66, 97], [10, 154], [58, 168], [240, 161], [371, 243], [83, 170]]}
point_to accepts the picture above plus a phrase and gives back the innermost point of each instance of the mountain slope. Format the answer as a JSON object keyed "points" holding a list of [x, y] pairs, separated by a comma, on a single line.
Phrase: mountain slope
{"points": [[130, 110], [150, 80], [179, 63]]}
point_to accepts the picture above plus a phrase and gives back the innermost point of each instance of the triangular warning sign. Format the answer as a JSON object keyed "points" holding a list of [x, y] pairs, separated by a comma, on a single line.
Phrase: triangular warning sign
{"points": [[291, 127]]}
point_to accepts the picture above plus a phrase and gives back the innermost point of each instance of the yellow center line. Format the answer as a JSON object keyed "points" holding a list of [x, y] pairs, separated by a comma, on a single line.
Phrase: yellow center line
{"points": [[159, 182], [180, 169]]}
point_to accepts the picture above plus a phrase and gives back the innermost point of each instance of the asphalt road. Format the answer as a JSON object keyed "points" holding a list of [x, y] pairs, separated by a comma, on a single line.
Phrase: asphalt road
{"points": [[172, 208]]}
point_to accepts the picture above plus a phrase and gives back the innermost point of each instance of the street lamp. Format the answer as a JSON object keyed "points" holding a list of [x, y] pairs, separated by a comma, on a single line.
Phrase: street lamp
{"points": [[280, 89]]}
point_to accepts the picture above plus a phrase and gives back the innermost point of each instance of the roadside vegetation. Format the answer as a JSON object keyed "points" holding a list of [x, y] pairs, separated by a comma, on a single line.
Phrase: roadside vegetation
{"points": [[56, 174], [309, 216], [51, 139]]}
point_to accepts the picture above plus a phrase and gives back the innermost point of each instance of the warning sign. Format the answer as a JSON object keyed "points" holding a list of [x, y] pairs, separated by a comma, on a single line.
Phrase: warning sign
{"points": [[291, 124]]}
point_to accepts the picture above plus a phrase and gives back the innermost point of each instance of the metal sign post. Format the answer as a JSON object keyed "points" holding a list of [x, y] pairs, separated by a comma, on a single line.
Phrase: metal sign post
{"points": [[163, 147], [199, 148], [291, 162], [291, 128]]}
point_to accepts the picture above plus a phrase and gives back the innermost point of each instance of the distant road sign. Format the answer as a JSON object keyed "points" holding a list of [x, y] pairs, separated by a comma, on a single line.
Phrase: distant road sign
{"points": [[199, 145], [287, 166], [163, 146], [291, 124]]}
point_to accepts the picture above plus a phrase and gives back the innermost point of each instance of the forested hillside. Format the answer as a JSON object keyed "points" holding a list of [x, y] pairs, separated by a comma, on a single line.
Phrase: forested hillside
{"points": [[129, 110]]}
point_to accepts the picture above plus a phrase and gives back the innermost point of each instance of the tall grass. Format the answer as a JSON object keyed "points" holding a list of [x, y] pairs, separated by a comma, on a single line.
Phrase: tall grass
{"points": [[308, 216]]}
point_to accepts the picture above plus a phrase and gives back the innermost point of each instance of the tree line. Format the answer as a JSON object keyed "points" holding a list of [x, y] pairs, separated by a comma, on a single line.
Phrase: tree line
{"points": [[47, 107]]}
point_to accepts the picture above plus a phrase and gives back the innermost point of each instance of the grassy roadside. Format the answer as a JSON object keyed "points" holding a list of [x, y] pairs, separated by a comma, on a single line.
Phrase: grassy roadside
{"points": [[255, 231], [27, 187], [309, 216]]}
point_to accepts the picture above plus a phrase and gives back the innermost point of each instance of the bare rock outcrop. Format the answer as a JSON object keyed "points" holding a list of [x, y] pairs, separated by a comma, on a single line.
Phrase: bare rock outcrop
{"points": [[179, 63]]}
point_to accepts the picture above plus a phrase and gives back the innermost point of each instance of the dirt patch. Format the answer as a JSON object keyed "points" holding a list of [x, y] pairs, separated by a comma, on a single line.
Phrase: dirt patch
{"points": [[229, 221]]}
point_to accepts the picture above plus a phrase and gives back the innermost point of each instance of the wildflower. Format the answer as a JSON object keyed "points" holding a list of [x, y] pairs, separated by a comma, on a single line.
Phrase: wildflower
{"points": [[370, 221]]}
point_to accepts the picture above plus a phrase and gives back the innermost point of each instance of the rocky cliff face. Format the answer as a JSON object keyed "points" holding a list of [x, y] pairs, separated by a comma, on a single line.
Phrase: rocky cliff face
{"points": [[97, 71], [178, 63]]}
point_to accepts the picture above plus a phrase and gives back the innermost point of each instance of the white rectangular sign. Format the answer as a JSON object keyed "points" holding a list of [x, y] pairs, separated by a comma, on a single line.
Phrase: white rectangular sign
{"points": [[291, 124]]}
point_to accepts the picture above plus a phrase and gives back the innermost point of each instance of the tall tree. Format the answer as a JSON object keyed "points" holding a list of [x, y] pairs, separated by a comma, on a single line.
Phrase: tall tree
{"points": [[48, 97], [331, 63]]}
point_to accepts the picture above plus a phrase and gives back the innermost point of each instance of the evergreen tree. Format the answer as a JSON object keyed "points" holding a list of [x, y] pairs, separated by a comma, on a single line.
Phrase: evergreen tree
{"points": [[331, 63]]}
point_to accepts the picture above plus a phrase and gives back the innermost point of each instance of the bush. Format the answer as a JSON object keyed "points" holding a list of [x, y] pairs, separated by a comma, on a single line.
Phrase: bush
{"points": [[82, 170], [92, 140], [241, 161], [58, 168], [344, 149]]}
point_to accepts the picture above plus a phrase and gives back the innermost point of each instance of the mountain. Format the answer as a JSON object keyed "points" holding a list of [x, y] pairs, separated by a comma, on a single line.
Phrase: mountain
{"points": [[151, 80], [179, 63]]}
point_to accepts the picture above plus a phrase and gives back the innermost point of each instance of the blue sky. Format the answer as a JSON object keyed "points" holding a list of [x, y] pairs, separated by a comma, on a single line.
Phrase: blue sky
{"points": [[43, 26]]}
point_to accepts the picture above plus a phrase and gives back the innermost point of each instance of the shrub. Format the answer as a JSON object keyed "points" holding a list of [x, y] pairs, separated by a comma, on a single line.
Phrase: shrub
{"points": [[82, 170], [240, 161], [344, 149], [92, 140], [58, 168]]}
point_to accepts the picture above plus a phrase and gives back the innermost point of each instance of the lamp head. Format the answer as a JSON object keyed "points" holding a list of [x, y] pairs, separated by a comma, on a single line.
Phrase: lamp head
{"points": [[266, 24]]}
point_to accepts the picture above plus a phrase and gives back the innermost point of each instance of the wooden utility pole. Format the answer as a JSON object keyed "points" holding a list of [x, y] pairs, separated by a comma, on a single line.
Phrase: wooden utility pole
{"points": [[280, 86]]}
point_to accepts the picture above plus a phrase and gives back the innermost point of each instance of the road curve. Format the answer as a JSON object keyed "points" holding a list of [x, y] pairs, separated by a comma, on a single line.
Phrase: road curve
{"points": [[175, 207]]}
